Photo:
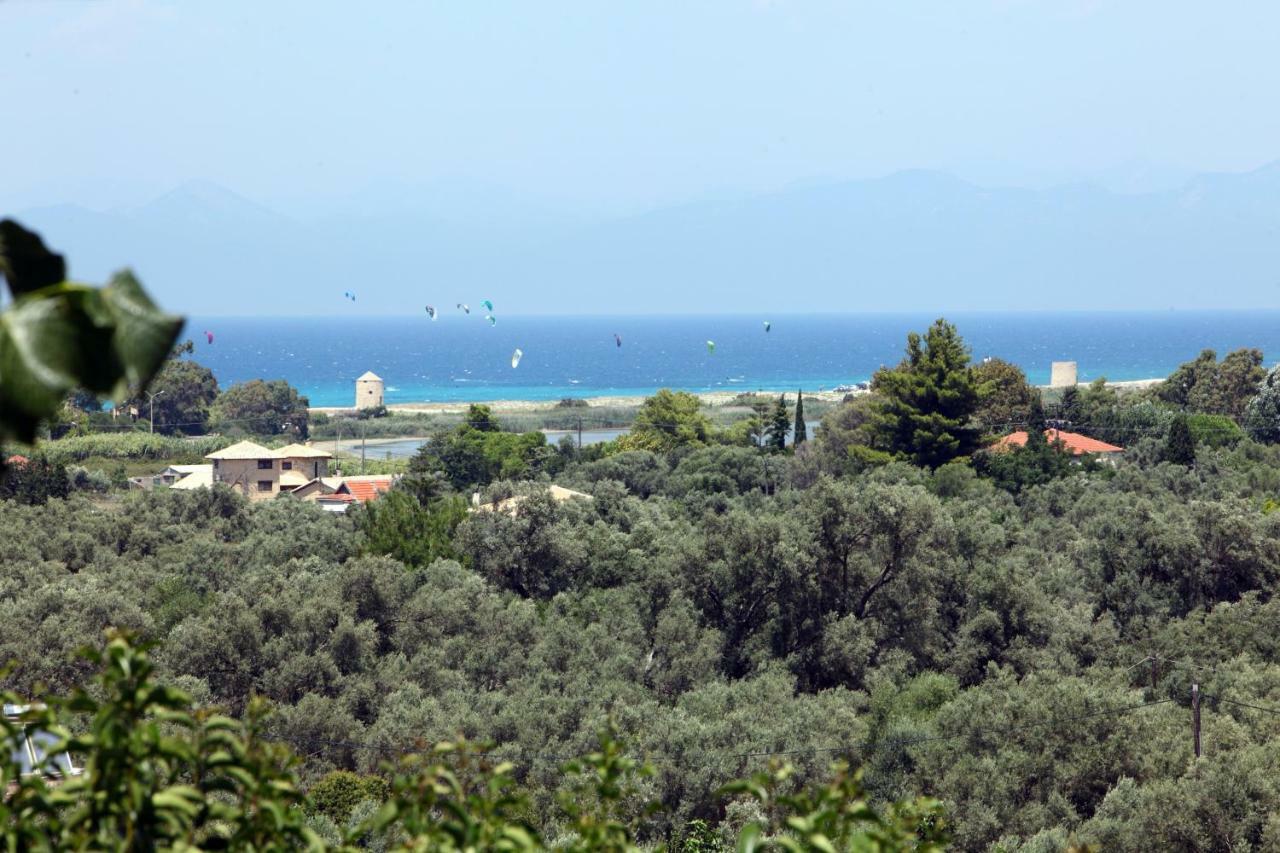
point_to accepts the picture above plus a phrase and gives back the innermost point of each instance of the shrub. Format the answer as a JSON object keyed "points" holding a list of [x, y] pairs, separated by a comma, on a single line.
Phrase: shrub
{"points": [[83, 480], [338, 793], [1214, 430]]}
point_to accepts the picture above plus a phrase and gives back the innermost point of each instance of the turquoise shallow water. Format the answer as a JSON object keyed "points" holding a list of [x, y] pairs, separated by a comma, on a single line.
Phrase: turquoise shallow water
{"points": [[462, 357]]}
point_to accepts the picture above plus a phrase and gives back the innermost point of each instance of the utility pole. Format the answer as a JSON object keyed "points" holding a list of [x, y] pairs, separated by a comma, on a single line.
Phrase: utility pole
{"points": [[152, 400], [364, 428], [1155, 673], [337, 438], [1195, 717], [579, 434]]}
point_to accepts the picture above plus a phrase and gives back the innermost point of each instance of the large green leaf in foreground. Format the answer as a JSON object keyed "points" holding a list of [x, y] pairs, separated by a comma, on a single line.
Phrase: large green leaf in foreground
{"points": [[25, 262], [58, 336]]}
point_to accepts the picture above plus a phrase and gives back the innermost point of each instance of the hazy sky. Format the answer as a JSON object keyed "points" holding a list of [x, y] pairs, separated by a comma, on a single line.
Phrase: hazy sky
{"points": [[619, 104]]}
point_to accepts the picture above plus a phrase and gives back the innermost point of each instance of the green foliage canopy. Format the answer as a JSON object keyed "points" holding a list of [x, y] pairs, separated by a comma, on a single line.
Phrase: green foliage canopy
{"points": [[927, 401], [667, 420], [57, 336], [180, 397], [263, 408], [1005, 397]]}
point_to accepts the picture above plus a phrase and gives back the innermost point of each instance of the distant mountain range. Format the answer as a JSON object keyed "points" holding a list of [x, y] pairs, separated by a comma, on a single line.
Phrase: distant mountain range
{"points": [[911, 241]]}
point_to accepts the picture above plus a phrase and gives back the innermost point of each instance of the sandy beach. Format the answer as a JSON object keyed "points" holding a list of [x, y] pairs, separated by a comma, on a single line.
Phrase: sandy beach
{"points": [[708, 398], [1131, 384], [711, 398]]}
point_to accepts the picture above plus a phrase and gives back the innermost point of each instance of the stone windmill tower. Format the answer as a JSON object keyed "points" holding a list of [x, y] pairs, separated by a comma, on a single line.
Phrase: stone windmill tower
{"points": [[369, 391]]}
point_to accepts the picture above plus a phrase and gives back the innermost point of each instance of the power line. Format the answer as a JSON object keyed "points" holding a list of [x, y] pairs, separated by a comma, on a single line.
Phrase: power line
{"points": [[1054, 725], [1273, 711]]}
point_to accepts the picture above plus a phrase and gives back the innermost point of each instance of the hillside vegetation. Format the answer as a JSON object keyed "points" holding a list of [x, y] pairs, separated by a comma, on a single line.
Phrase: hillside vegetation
{"points": [[1015, 634]]}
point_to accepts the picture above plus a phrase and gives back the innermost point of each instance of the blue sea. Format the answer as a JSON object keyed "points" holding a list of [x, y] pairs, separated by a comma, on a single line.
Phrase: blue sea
{"points": [[463, 358]]}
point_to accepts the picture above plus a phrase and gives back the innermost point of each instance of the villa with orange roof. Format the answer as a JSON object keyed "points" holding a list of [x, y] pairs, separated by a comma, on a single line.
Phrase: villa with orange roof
{"points": [[1072, 442]]}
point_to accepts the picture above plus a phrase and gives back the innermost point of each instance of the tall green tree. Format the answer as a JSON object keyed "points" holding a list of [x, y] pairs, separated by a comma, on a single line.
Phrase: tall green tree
{"points": [[1235, 384], [778, 426], [1262, 415], [480, 418], [1068, 410], [667, 420], [468, 457], [398, 526], [180, 395], [1004, 394], [927, 402], [1181, 385], [1180, 445], [262, 408], [800, 433], [1209, 386]]}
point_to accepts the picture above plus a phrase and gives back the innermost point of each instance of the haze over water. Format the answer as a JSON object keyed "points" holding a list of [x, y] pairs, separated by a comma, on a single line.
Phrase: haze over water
{"points": [[463, 358]]}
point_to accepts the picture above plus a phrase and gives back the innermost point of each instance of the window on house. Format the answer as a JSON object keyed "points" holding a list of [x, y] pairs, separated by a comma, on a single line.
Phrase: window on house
{"points": [[215, 464], [286, 466], [264, 464], [264, 485]]}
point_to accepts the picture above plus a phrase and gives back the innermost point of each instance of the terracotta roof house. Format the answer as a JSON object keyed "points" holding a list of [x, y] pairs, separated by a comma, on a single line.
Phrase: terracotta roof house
{"points": [[366, 488], [354, 490], [1073, 442]]}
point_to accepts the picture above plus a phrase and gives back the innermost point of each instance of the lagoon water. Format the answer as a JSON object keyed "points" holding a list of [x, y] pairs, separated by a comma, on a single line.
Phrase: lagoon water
{"points": [[463, 358]]}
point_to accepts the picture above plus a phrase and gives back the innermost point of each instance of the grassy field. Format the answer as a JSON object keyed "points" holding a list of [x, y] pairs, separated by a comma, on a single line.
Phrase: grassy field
{"points": [[527, 418], [130, 447]]}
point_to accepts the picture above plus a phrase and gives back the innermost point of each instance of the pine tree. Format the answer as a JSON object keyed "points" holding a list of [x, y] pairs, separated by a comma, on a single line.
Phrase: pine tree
{"points": [[1180, 446], [927, 402], [778, 425], [801, 432], [1069, 407]]}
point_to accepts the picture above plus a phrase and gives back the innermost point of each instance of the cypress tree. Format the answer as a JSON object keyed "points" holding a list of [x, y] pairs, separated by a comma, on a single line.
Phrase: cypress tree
{"points": [[1036, 439], [801, 432], [779, 424], [1180, 446]]}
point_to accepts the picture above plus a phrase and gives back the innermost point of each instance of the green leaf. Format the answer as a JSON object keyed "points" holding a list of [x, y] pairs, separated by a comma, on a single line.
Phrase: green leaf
{"points": [[25, 262], [750, 839], [38, 346], [519, 838], [63, 336], [821, 842], [179, 798], [143, 334]]}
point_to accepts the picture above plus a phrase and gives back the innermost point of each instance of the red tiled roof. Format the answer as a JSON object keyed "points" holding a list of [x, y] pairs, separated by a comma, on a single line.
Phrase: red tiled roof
{"points": [[365, 488], [17, 459], [1073, 442]]}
